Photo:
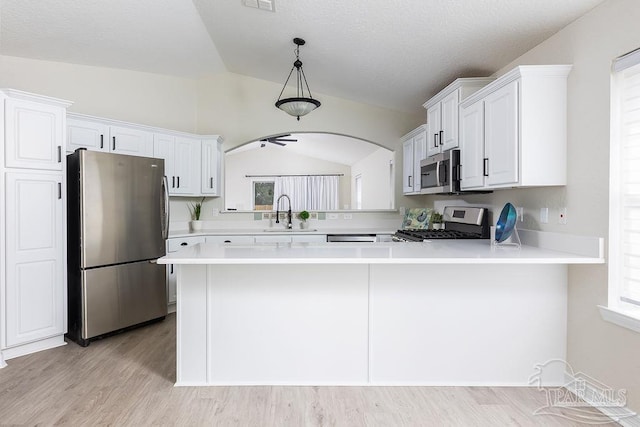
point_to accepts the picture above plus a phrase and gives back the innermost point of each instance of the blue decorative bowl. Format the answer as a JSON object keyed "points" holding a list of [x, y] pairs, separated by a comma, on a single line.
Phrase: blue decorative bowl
{"points": [[506, 223]]}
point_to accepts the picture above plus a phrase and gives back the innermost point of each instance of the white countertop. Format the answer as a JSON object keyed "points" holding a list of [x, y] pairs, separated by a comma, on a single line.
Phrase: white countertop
{"points": [[281, 230], [432, 252]]}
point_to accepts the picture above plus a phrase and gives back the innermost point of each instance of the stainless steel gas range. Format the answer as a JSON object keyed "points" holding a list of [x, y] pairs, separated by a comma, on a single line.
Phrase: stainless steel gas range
{"points": [[460, 222]]}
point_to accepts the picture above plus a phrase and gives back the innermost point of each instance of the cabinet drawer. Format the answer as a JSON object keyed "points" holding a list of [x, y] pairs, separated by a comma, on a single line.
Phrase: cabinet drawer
{"points": [[230, 239], [174, 245]]}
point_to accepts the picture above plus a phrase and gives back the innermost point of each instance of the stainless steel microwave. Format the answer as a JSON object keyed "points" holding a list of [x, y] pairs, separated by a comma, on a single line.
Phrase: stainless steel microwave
{"points": [[440, 174]]}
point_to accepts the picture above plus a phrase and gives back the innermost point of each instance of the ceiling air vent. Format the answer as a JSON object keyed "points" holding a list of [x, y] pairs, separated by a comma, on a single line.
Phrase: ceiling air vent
{"points": [[268, 5]]}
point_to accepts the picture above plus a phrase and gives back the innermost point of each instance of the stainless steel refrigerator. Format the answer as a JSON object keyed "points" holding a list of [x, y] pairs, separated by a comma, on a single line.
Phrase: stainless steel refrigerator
{"points": [[118, 220]]}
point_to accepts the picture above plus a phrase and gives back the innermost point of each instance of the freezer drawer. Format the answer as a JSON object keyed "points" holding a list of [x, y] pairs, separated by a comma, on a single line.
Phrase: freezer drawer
{"points": [[120, 296]]}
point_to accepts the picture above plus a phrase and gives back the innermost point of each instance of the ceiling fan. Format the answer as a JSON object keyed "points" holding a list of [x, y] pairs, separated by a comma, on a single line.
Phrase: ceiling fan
{"points": [[280, 140]]}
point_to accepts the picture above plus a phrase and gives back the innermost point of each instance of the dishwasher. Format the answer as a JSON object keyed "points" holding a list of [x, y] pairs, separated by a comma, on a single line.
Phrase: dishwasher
{"points": [[351, 238]]}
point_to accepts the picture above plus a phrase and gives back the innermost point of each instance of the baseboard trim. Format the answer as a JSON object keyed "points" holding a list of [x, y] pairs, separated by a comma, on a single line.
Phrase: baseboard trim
{"points": [[622, 415], [23, 350]]}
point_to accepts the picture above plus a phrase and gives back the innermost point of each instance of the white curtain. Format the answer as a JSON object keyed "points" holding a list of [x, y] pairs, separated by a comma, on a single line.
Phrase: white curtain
{"points": [[308, 192]]}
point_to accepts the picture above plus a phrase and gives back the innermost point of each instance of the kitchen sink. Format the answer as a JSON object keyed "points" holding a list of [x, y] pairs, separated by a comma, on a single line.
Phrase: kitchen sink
{"points": [[290, 230]]}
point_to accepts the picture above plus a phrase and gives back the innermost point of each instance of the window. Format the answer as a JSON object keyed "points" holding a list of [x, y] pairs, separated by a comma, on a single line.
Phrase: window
{"points": [[624, 199], [263, 195]]}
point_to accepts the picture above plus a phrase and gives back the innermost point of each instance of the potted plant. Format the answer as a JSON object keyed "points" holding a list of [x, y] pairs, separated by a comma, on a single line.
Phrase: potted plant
{"points": [[436, 221], [304, 216], [196, 210]]}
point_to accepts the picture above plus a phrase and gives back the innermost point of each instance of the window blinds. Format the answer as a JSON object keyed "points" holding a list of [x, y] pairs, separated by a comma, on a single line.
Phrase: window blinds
{"points": [[626, 109]]}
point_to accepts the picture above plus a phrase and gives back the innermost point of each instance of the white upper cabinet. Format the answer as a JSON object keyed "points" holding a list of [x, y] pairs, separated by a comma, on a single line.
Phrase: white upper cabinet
{"points": [[181, 162], [97, 135], [472, 169], [443, 112], [34, 134], [85, 134], [515, 130], [413, 151], [131, 141], [211, 166], [192, 163]]}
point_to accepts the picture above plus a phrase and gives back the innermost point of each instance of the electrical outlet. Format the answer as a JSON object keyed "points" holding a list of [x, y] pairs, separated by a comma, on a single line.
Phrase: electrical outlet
{"points": [[562, 216], [332, 216], [348, 216], [520, 212], [544, 215], [215, 212]]}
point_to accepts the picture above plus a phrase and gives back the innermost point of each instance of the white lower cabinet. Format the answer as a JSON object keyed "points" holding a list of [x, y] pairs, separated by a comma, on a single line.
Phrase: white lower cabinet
{"points": [[35, 292], [173, 245], [308, 238]]}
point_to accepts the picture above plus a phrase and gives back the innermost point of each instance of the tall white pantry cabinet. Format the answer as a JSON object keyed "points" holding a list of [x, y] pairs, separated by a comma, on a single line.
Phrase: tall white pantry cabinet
{"points": [[33, 291]]}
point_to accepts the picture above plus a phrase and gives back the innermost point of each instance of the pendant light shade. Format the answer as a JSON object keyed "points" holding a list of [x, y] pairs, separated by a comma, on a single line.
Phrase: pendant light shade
{"points": [[300, 105]]}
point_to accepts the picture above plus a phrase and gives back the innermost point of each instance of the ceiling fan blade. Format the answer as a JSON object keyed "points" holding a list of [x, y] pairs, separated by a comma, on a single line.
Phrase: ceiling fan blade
{"points": [[285, 140], [278, 143], [281, 136]]}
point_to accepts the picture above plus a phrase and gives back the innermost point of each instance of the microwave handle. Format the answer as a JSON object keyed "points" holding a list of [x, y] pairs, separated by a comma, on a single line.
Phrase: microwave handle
{"points": [[438, 173]]}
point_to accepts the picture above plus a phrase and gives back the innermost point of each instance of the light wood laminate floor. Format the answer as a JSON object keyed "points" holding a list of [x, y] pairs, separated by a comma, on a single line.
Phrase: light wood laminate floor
{"points": [[128, 380]]}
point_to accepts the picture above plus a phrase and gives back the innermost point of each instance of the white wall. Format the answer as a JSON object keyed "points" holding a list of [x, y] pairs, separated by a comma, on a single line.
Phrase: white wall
{"points": [[376, 180], [145, 98], [273, 160], [602, 350]]}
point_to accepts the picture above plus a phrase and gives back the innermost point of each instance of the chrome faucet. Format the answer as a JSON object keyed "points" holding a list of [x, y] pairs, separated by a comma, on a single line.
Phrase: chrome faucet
{"points": [[278, 210]]}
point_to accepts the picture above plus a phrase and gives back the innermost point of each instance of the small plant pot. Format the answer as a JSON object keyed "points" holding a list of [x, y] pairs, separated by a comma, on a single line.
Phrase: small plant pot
{"points": [[304, 225], [436, 226], [195, 225]]}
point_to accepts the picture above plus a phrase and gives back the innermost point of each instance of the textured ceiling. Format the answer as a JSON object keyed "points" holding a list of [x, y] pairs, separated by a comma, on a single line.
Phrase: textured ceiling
{"points": [[391, 53]]}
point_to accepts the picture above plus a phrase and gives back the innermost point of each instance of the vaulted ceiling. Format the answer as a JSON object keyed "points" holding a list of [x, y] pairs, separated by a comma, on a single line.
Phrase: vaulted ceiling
{"points": [[390, 53]]}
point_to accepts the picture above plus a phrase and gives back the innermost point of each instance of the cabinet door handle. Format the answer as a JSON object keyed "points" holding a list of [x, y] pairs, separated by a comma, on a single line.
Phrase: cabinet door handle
{"points": [[173, 182], [183, 244], [440, 137], [101, 141], [211, 182], [114, 143], [59, 191], [178, 182], [227, 241], [485, 167], [409, 181], [59, 153], [171, 266], [435, 140]]}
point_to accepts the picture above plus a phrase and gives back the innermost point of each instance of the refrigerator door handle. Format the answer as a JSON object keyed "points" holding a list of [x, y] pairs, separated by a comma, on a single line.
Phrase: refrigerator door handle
{"points": [[165, 196]]}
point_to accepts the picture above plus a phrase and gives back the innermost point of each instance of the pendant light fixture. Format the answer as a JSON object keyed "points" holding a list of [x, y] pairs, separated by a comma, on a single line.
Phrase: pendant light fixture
{"points": [[301, 105]]}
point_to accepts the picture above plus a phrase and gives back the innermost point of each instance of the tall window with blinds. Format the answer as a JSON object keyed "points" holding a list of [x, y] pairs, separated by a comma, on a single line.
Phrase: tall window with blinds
{"points": [[624, 221]]}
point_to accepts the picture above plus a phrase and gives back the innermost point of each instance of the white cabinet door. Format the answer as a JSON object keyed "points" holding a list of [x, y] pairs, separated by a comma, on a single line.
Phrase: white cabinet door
{"points": [[472, 146], [449, 121], [231, 239], [407, 167], [211, 167], [434, 125], [134, 142], [501, 135], [186, 161], [34, 135], [85, 134], [172, 284], [419, 153], [35, 288], [163, 147]]}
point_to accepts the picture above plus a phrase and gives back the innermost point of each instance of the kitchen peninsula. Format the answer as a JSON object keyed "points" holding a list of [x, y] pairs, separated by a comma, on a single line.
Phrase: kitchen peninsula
{"points": [[433, 313]]}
